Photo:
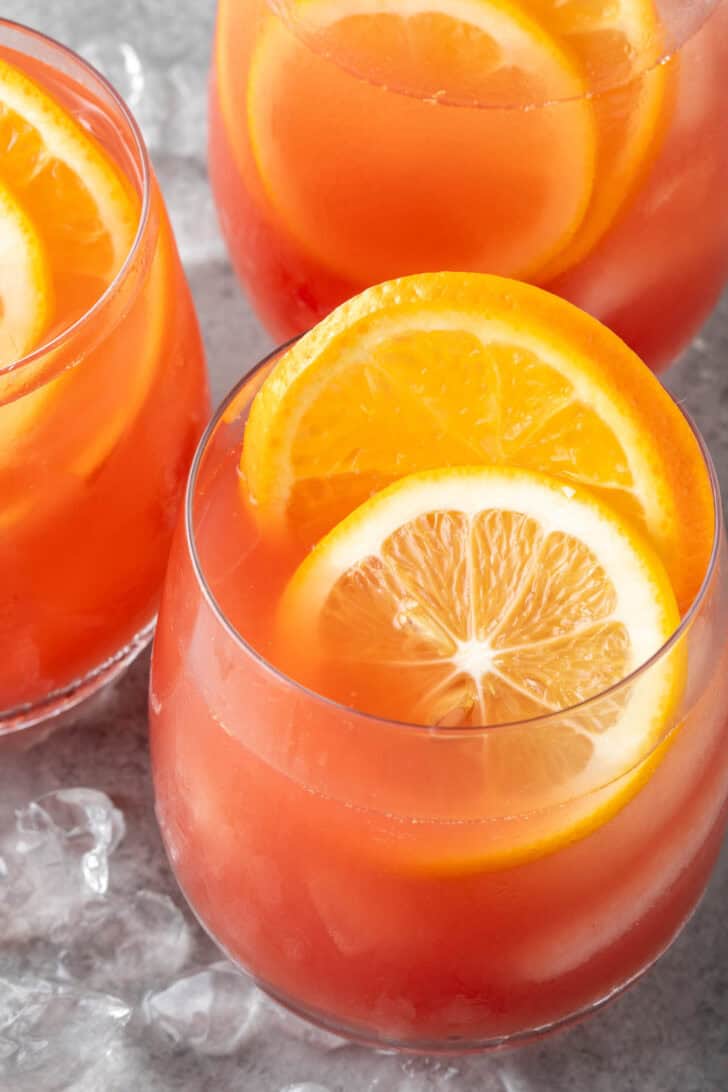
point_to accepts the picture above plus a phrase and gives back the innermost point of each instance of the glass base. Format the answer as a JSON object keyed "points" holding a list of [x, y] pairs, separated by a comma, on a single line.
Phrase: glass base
{"points": [[29, 724], [443, 1047], [455, 1045]]}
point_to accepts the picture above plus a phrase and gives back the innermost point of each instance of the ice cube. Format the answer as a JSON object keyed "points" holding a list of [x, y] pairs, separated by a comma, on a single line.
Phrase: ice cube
{"points": [[120, 63], [51, 1035], [127, 944], [82, 823], [424, 1074], [307, 1086], [389, 1074], [212, 1011], [56, 858]]}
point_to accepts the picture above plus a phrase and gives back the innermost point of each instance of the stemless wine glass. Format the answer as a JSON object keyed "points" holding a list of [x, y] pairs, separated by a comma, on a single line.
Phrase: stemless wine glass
{"points": [[581, 147], [98, 422], [357, 867]]}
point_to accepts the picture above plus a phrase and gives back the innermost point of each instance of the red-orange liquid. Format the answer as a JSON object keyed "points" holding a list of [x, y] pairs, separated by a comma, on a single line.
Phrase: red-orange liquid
{"points": [[349, 865], [379, 165], [90, 483]]}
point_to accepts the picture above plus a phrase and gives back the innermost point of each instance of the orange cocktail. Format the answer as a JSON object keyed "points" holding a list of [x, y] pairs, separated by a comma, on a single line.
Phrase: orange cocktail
{"points": [[103, 391], [434, 794], [581, 146]]}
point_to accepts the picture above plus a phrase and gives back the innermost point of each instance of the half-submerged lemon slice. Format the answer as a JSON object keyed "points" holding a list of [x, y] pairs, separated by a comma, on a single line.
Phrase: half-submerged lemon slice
{"points": [[487, 596], [460, 369]]}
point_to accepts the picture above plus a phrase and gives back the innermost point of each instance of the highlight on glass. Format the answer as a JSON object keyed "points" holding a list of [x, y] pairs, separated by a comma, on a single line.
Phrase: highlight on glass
{"points": [[103, 390], [581, 146], [438, 715]]}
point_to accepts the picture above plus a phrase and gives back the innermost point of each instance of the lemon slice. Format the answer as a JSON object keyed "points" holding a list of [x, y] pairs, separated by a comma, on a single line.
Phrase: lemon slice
{"points": [[25, 284], [481, 596], [375, 188], [459, 369]]}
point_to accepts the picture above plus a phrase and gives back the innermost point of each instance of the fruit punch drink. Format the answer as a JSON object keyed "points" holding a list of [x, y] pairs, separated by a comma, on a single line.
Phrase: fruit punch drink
{"points": [[103, 391], [458, 773], [581, 146]]}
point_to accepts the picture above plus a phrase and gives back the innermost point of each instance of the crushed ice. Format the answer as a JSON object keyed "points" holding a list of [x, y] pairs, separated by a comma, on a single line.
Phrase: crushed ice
{"points": [[128, 942], [55, 859], [51, 1034]]}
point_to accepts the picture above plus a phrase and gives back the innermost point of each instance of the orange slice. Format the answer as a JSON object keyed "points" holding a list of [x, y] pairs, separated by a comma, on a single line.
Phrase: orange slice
{"points": [[81, 216], [618, 43], [82, 208], [77, 419], [373, 183], [453, 369], [25, 283], [478, 596], [482, 596], [26, 307]]}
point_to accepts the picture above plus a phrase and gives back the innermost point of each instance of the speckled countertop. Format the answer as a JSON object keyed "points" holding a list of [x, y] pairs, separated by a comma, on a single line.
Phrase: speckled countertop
{"points": [[668, 1034]]}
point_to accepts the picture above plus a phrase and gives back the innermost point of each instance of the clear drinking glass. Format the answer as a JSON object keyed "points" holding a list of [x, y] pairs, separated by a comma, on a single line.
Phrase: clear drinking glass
{"points": [[581, 146], [98, 423], [366, 873]]}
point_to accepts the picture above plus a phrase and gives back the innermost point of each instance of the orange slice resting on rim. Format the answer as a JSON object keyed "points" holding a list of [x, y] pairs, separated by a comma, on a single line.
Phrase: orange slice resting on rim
{"points": [[374, 183], [488, 596], [458, 369], [619, 44]]}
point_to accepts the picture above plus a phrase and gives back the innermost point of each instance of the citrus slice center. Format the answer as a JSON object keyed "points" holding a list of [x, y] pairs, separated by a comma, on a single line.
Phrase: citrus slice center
{"points": [[483, 596]]}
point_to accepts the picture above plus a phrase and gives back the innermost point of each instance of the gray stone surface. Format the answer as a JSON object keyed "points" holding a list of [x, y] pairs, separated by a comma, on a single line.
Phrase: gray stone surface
{"points": [[670, 1033]]}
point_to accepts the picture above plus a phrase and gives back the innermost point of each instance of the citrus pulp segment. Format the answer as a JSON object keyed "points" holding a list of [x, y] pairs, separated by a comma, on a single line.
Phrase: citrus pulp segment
{"points": [[489, 596], [375, 183], [449, 369]]}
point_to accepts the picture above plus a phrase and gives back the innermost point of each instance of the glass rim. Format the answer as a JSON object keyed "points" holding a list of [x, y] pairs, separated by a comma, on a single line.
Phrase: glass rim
{"points": [[139, 150], [281, 678], [671, 46]]}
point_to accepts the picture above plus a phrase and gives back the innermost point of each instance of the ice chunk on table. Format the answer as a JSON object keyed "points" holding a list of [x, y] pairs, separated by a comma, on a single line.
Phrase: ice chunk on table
{"points": [[212, 1011], [127, 943], [55, 859], [51, 1035]]}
